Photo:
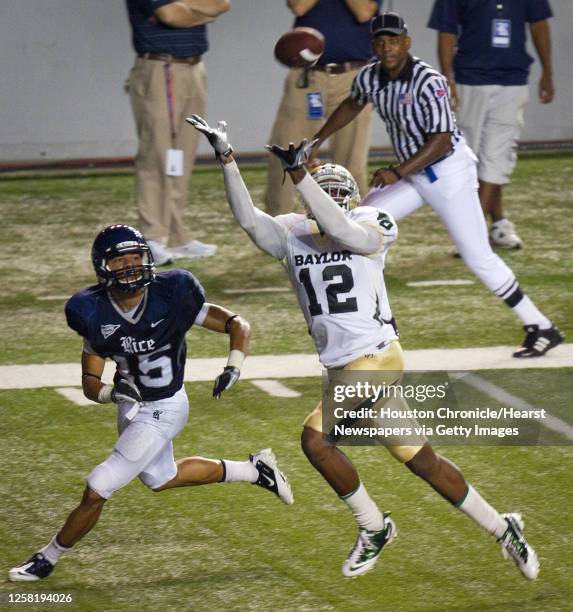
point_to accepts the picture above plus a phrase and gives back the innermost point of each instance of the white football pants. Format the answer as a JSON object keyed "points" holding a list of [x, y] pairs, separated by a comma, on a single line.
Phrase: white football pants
{"points": [[144, 447]]}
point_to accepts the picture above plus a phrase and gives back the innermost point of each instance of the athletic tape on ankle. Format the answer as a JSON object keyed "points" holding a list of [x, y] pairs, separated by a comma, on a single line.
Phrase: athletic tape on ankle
{"points": [[236, 358], [104, 395]]}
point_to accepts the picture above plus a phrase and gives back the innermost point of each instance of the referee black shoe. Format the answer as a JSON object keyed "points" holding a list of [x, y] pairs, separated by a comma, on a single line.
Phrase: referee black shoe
{"points": [[35, 568], [538, 341]]}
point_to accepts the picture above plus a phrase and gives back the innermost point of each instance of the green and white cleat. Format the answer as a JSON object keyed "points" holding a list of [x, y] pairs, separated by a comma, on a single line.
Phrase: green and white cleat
{"points": [[367, 548], [514, 546]]}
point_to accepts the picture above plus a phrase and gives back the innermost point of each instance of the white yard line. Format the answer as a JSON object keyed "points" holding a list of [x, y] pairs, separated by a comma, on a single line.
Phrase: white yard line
{"points": [[294, 366], [275, 388], [75, 395], [439, 283], [507, 399]]}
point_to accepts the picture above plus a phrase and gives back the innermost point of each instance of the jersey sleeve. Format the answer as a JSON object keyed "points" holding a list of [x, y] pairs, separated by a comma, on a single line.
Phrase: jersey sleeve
{"points": [[189, 296], [445, 16], [382, 221], [75, 317], [537, 10], [262, 229], [361, 91], [435, 103]]}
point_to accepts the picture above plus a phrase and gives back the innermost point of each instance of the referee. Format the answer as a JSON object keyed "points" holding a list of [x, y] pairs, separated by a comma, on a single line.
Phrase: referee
{"points": [[436, 165]]}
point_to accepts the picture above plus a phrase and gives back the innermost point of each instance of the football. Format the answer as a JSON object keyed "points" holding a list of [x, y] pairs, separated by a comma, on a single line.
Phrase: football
{"points": [[299, 48]]}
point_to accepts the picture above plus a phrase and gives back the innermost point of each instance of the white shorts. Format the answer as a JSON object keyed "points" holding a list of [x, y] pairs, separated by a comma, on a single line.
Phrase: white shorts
{"points": [[491, 118], [144, 447]]}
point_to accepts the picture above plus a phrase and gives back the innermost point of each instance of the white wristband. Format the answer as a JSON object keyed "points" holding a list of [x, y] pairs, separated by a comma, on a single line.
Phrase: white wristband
{"points": [[236, 358], [104, 395]]}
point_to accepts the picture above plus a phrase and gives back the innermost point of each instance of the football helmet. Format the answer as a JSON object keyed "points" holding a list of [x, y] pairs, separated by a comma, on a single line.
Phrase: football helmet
{"points": [[338, 183], [116, 240]]}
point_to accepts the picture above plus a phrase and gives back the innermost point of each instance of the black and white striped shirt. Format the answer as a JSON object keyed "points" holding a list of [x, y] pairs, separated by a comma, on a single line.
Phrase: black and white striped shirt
{"points": [[414, 106]]}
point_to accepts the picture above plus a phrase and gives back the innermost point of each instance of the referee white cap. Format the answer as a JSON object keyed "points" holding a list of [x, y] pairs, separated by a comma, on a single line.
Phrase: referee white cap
{"points": [[387, 23]]}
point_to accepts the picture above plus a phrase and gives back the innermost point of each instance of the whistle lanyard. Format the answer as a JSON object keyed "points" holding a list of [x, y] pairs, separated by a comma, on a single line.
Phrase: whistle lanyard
{"points": [[499, 7], [168, 70]]}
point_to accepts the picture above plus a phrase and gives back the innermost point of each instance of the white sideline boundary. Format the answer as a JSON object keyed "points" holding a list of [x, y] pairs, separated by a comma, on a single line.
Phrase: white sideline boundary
{"points": [[294, 366], [508, 399]]}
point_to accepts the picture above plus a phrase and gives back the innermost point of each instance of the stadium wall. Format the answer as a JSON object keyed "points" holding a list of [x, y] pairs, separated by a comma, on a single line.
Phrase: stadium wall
{"points": [[64, 63]]}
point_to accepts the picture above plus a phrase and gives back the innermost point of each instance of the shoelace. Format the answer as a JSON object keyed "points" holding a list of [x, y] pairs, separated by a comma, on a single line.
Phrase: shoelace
{"points": [[517, 544]]}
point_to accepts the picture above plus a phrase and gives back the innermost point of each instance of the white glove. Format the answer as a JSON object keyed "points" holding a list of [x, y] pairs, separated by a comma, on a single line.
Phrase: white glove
{"points": [[217, 137]]}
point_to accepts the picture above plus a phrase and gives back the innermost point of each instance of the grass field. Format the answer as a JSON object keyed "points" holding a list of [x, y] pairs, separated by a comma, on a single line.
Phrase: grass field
{"points": [[235, 547]]}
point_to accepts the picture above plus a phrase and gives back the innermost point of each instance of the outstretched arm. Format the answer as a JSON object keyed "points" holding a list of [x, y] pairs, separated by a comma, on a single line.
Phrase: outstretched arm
{"points": [[342, 116], [355, 237], [265, 231], [329, 215]]}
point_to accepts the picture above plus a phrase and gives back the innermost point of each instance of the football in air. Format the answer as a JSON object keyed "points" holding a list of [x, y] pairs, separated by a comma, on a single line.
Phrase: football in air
{"points": [[300, 47]]}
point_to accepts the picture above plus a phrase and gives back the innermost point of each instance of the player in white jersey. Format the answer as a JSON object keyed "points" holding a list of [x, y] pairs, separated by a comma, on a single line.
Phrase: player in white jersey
{"points": [[342, 327], [335, 259]]}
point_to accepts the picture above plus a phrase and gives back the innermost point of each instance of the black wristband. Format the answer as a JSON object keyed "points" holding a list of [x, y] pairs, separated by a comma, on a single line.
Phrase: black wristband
{"points": [[396, 172], [228, 324]]}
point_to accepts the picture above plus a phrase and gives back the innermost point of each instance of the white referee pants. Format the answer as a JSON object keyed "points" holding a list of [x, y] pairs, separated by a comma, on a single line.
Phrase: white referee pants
{"points": [[455, 199]]}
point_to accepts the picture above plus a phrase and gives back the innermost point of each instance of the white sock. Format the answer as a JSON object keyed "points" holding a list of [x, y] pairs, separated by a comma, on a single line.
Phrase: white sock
{"points": [[475, 506], [528, 312], [365, 511], [239, 471], [54, 550]]}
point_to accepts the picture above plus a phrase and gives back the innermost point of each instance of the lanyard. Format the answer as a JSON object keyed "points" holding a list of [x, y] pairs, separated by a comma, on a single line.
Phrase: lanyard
{"points": [[499, 7], [169, 88]]}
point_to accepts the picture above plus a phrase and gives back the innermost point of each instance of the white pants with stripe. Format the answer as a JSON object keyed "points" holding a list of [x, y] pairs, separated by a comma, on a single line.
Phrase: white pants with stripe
{"points": [[144, 447], [454, 197]]}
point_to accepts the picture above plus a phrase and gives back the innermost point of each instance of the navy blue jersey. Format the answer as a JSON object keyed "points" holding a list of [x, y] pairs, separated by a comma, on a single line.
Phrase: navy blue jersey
{"points": [[149, 346], [491, 37], [152, 36], [346, 39]]}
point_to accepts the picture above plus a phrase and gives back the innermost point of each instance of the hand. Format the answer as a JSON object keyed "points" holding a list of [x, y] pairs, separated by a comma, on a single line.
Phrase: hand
{"points": [[125, 391], [217, 137], [293, 158], [225, 380], [383, 177], [546, 90]]}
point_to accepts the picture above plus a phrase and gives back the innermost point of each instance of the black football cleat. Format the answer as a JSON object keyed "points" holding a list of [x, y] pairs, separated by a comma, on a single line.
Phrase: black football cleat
{"points": [[270, 477], [35, 568], [538, 341]]}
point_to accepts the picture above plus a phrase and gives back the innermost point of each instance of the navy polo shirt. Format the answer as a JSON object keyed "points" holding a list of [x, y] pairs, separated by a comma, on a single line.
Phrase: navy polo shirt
{"points": [[478, 61], [155, 37], [346, 39]]}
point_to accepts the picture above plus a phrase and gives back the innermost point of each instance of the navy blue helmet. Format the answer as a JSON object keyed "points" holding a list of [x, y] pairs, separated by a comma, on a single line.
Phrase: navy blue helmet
{"points": [[116, 240]]}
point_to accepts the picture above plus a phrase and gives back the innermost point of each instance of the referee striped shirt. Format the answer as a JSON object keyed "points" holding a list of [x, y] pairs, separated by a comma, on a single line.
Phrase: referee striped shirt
{"points": [[413, 106]]}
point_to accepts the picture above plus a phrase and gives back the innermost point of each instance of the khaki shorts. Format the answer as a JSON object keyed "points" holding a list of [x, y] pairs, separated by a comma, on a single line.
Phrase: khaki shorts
{"points": [[391, 362], [491, 118]]}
